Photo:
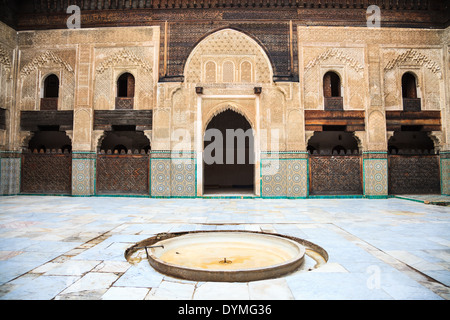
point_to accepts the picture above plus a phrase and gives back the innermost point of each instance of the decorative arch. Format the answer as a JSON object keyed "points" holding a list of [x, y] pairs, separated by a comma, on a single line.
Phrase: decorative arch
{"points": [[228, 43], [413, 56], [31, 82], [119, 57], [227, 164], [338, 54], [222, 107], [45, 58]]}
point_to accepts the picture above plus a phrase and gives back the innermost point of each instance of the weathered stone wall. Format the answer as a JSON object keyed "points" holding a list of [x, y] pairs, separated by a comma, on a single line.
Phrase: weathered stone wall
{"points": [[371, 62], [227, 66]]}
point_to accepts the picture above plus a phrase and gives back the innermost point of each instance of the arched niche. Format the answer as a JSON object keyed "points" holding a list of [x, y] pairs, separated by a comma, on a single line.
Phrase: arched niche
{"points": [[228, 46]]}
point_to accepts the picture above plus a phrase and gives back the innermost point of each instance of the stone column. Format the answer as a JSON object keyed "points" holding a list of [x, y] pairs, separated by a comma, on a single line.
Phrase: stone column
{"points": [[445, 173], [83, 153], [173, 165], [375, 162], [445, 114], [284, 160], [10, 142]]}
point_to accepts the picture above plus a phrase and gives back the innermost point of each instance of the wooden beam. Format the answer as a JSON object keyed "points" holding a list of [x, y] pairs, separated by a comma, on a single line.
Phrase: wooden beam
{"points": [[31, 120], [104, 119], [166, 27], [291, 48]]}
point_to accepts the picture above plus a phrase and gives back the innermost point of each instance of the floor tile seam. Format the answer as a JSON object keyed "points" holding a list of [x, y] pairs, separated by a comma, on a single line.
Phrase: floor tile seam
{"points": [[60, 257], [415, 274]]}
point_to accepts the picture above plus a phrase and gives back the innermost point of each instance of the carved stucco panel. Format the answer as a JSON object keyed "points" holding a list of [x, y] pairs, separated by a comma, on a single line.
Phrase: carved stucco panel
{"points": [[224, 46], [426, 66], [348, 63], [33, 73], [111, 63]]}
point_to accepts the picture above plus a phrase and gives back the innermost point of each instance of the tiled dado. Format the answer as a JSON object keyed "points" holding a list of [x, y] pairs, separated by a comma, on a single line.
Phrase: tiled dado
{"points": [[10, 163], [284, 175], [83, 173], [173, 175], [445, 172], [375, 174]]}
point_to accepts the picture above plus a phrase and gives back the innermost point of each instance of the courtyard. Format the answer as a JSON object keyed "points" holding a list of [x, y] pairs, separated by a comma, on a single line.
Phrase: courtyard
{"points": [[72, 248]]}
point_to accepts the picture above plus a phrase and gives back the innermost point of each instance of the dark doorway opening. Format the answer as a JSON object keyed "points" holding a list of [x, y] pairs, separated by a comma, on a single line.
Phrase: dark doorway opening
{"points": [[228, 162]]}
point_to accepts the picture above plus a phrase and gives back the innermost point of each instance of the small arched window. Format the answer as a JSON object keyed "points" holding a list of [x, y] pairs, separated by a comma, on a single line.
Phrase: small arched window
{"points": [[246, 71], [125, 91], [409, 86], [50, 93], [411, 101], [125, 86], [51, 86], [332, 91], [228, 72], [210, 72], [331, 85]]}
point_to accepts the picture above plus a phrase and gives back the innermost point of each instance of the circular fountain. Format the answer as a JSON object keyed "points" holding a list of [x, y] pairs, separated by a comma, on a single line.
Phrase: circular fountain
{"points": [[230, 256]]}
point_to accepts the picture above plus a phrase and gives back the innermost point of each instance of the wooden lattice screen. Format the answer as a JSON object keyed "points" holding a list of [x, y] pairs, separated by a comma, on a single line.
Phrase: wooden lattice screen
{"points": [[46, 173], [418, 174], [335, 175], [123, 174]]}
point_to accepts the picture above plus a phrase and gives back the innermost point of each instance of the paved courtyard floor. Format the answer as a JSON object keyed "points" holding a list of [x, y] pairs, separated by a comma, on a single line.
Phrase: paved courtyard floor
{"points": [[73, 248]]}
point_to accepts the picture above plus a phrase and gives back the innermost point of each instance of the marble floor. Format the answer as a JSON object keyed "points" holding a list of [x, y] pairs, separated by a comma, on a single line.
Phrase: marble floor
{"points": [[73, 248]]}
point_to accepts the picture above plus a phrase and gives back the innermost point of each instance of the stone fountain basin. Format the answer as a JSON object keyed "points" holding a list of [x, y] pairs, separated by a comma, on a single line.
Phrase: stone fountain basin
{"points": [[226, 256]]}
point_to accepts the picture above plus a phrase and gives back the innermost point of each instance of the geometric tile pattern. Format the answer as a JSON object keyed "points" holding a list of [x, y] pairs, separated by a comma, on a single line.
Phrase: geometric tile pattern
{"points": [[375, 176], [183, 178], [445, 176], [10, 176], [173, 177], [273, 178], [284, 177], [160, 177], [83, 174], [297, 178]]}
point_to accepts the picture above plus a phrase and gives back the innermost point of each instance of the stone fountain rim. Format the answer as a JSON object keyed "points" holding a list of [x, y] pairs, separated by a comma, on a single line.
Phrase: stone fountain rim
{"points": [[239, 275], [301, 251]]}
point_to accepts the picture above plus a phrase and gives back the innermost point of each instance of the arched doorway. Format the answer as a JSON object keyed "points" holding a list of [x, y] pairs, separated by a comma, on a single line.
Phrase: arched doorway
{"points": [[228, 158]]}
